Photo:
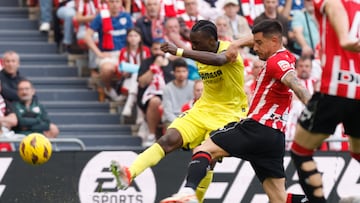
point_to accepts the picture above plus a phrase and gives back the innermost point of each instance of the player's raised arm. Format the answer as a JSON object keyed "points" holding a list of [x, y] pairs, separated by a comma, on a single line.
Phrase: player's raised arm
{"points": [[233, 49], [205, 57]]}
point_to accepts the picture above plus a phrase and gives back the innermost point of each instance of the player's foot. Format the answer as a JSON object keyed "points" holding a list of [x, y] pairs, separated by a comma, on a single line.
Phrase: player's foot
{"points": [[350, 200], [122, 175], [181, 198]]}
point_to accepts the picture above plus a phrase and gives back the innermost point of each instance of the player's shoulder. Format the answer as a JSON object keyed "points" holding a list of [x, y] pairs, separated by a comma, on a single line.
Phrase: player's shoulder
{"points": [[223, 46], [283, 59]]}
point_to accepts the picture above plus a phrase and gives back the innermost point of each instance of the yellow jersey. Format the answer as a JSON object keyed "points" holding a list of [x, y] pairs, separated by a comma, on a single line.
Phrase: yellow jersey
{"points": [[224, 91]]}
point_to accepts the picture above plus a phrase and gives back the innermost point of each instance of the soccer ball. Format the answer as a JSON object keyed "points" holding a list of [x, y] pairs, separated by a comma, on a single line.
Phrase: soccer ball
{"points": [[35, 149]]}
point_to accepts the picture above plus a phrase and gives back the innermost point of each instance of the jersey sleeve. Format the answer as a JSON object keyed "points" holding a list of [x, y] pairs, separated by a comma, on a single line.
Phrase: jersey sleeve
{"points": [[279, 67], [96, 23]]}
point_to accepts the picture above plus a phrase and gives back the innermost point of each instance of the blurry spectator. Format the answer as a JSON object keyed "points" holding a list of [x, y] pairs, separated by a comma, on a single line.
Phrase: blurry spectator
{"points": [[303, 68], [197, 91], [86, 10], [8, 120], [210, 9], [133, 53], [251, 78], [46, 7], [176, 92], [154, 73], [10, 76], [306, 32], [172, 34], [172, 8], [251, 9], [32, 116], [239, 26], [271, 12], [189, 18], [66, 12], [137, 9], [223, 28], [152, 24], [287, 7], [111, 24]]}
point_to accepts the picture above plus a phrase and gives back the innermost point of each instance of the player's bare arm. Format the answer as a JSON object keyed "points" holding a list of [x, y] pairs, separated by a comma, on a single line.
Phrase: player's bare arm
{"points": [[338, 18], [293, 82], [233, 49], [204, 57]]}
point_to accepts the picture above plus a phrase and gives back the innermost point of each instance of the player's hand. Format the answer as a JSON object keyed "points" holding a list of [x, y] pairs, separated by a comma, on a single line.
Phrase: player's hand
{"points": [[232, 53], [168, 48], [351, 45]]}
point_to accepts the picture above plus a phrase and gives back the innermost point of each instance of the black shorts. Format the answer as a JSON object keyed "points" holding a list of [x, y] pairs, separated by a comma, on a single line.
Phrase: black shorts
{"points": [[262, 146], [324, 112], [144, 107]]}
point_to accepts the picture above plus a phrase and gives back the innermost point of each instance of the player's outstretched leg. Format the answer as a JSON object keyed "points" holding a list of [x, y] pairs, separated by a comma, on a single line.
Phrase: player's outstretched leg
{"points": [[122, 175]]}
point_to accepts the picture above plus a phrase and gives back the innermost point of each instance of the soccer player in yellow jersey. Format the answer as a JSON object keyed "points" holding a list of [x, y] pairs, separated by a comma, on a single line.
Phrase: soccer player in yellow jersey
{"points": [[223, 101]]}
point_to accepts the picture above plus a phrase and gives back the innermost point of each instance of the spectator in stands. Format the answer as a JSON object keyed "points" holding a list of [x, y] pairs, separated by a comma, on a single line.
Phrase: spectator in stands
{"points": [[86, 11], [189, 17], [133, 53], [238, 24], [111, 25], [197, 92], [10, 76], [66, 12], [303, 69], [8, 118], [32, 116], [251, 9], [176, 92], [172, 34], [46, 7], [271, 12], [287, 7], [151, 24], [223, 27], [153, 74], [305, 29], [250, 79], [210, 9]]}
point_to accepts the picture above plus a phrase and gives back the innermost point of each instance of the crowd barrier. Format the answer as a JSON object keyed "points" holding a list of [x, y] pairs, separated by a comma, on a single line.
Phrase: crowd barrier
{"points": [[84, 177]]}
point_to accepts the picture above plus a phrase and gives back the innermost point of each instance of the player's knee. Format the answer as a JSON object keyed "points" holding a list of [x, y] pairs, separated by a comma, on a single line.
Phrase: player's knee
{"points": [[171, 141], [356, 156]]}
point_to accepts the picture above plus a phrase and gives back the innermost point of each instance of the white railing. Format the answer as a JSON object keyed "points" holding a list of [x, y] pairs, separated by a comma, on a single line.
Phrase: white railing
{"points": [[330, 139], [52, 140]]}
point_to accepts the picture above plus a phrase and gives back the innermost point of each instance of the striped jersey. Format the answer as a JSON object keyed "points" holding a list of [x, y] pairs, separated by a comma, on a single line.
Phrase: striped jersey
{"points": [[340, 68], [271, 100]]}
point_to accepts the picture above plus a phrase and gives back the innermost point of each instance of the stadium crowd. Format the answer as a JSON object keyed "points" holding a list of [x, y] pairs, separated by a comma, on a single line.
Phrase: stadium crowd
{"points": [[122, 39]]}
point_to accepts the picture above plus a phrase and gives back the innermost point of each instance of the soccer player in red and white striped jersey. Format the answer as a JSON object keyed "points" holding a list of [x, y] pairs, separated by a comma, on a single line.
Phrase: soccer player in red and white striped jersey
{"points": [[339, 95], [259, 138]]}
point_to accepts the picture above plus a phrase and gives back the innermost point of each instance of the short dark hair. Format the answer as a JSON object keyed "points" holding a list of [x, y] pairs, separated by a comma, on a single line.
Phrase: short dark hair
{"points": [[268, 27], [179, 62], [206, 27]]}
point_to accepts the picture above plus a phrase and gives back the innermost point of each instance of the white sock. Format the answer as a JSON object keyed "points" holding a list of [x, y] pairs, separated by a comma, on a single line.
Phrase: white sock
{"points": [[186, 190]]}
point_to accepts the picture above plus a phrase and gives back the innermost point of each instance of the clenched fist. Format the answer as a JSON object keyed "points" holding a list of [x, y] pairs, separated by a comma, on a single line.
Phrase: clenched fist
{"points": [[168, 48]]}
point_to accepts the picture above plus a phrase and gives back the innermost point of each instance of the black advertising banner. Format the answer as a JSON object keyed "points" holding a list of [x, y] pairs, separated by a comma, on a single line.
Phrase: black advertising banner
{"points": [[84, 177]]}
